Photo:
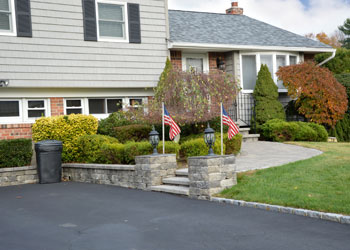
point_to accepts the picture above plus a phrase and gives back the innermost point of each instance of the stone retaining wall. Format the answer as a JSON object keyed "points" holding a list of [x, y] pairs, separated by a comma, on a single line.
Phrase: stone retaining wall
{"points": [[18, 176], [210, 175]]}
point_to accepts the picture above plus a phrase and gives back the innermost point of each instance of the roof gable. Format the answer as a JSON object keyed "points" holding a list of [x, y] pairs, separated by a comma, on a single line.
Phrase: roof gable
{"points": [[213, 28]]}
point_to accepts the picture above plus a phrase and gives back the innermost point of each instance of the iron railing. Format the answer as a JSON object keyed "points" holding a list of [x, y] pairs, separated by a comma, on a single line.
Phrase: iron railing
{"points": [[243, 110]]}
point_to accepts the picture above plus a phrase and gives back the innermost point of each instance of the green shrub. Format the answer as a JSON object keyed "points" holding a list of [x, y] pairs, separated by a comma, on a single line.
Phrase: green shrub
{"points": [[234, 145], [132, 149], [268, 106], [89, 148], [170, 148], [338, 65], [280, 131], [344, 79], [117, 119], [113, 153], [133, 132], [342, 129], [66, 129], [197, 147], [15, 153]]}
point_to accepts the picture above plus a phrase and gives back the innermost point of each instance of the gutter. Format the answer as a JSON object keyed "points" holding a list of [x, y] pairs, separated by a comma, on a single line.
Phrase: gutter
{"points": [[329, 58]]}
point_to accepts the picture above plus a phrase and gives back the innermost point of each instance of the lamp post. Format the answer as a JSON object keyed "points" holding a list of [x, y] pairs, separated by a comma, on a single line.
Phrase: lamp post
{"points": [[209, 138], [154, 140]]}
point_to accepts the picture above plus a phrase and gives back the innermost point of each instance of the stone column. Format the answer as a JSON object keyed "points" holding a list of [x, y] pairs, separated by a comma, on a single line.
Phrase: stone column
{"points": [[209, 175], [151, 169]]}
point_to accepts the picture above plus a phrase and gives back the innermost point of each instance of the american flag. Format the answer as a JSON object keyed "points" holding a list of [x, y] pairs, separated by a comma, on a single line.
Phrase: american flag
{"points": [[232, 127], [174, 128]]}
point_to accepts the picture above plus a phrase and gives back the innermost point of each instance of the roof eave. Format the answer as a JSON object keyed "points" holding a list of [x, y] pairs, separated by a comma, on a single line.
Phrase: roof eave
{"points": [[228, 47]]}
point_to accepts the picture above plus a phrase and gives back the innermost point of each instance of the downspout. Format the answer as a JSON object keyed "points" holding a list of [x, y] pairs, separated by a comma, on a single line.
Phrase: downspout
{"points": [[329, 58]]}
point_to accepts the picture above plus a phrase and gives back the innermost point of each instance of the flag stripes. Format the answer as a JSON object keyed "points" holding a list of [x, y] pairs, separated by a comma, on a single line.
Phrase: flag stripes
{"points": [[232, 127], [174, 128]]}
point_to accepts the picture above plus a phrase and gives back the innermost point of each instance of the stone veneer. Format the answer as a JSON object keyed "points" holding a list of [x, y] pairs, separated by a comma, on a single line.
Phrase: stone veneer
{"points": [[148, 171], [210, 175], [18, 176]]}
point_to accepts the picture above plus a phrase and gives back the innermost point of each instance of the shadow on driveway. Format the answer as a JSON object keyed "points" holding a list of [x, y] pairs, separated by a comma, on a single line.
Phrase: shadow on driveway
{"points": [[85, 216]]}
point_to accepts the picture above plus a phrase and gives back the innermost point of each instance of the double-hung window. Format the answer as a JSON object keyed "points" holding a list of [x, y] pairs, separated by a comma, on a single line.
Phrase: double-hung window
{"points": [[36, 109], [7, 17], [73, 106], [111, 20], [103, 106]]}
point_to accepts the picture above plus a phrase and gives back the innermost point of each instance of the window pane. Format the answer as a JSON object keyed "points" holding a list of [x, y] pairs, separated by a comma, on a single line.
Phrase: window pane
{"points": [[281, 61], [249, 72], [134, 102], [4, 21], [113, 105], [110, 12], [111, 29], [196, 63], [97, 106], [292, 60], [74, 111], [36, 113], [267, 60], [36, 104], [9, 108], [4, 5], [73, 103]]}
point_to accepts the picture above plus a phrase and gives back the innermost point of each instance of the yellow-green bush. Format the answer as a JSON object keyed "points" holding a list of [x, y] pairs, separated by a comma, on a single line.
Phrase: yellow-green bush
{"points": [[66, 129], [197, 147], [170, 148]]}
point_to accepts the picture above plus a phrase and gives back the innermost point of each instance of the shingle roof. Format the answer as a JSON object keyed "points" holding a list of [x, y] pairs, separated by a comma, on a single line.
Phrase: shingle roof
{"points": [[213, 28]]}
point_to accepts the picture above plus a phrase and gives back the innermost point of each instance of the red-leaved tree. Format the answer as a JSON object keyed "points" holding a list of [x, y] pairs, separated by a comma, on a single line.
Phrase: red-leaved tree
{"points": [[319, 96]]}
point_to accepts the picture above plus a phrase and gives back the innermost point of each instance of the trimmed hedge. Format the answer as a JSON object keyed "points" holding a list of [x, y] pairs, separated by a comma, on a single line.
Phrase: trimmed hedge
{"points": [[66, 129], [15, 153], [280, 131], [117, 119], [234, 145], [89, 148], [133, 149], [197, 147], [135, 132], [170, 148], [112, 153]]}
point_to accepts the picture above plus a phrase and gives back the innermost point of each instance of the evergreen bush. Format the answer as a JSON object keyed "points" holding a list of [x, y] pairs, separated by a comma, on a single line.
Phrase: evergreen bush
{"points": [[268, 106], [15, 153], [134, 132], [107, 126]]}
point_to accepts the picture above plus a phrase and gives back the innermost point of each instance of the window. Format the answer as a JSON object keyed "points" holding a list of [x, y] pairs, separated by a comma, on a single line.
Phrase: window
{"points": [[250, 66], [9, 108], [135, 102], [111, 18], [104, 106], [194, 63], [74, 106], [36, 108], [197, 62], [249, 71], [7, 18]]}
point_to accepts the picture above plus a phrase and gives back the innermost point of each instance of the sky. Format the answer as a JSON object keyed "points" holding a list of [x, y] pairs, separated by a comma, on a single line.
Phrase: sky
{"points": [[298, 16]]}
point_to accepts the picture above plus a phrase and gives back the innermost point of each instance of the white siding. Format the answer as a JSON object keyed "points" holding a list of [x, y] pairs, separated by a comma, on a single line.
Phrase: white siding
{"points": [[58, 56]]}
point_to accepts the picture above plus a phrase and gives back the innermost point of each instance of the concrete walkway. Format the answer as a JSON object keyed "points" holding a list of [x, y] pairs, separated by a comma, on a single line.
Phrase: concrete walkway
{"points": [[259, 155]]}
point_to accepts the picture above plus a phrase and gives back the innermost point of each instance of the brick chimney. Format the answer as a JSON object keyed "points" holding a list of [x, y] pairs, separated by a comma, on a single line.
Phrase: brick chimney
{"points": [[234, 10]]}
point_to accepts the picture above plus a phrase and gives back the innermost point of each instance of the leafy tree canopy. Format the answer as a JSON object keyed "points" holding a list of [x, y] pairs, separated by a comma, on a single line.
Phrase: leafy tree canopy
{"points": [[338, 65], [345, 28]]}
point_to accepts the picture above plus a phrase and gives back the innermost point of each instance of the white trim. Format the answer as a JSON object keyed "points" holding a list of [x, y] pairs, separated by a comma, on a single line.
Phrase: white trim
{"points": [[126, 23], [204, 56], [228, 47], [47, 108], [13, 24], [65, 107]]}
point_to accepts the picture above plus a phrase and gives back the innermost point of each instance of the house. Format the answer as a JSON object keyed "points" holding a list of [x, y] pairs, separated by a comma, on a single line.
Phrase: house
{"points": [[77, 56], [98, 56], [239, 45]]}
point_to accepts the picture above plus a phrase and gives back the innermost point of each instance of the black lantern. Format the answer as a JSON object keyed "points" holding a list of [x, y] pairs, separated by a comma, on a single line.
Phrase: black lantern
{"points": [[220, 63], [209, 138], [154, 140]]}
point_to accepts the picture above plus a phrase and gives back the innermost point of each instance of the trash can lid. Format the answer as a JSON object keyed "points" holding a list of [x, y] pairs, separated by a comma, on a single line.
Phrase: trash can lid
{"points": [[48, 145]]}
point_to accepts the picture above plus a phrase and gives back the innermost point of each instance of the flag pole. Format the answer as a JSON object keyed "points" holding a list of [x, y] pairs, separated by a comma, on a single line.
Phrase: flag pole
{"points": [[222, 131], [163, 130]]}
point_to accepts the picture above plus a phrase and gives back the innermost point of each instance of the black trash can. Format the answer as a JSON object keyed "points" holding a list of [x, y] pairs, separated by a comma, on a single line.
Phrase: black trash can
{"points": [[49, 161]]}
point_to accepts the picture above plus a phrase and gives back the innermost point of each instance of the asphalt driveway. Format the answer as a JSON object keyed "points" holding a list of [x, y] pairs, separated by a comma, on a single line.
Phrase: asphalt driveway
{"points": [[83, 216]]}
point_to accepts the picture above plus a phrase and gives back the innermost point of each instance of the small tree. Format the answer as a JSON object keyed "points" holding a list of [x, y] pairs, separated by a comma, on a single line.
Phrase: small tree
{"points": [[346, 30], [192, 97], [268, 106], [320, 97]]}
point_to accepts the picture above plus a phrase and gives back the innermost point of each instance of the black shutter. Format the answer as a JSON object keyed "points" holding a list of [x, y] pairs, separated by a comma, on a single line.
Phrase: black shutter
{"points": [[89, 15], [134, 23], [23, 18]]}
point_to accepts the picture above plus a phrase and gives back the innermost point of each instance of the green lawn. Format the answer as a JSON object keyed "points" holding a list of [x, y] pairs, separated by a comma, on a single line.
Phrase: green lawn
{"points": [[321, 183]]}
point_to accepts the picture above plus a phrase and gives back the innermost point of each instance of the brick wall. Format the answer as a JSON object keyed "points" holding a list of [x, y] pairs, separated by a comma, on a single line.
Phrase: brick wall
{"points": [[176, 59], [212, 59], [15, 131], [57, 106]]}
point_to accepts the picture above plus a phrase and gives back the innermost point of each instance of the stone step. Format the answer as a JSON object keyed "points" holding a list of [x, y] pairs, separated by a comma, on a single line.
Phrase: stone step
{"points": [[171, 189], [251, 138], [184, 181], [244, 131], [182, 172]]}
